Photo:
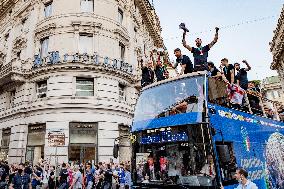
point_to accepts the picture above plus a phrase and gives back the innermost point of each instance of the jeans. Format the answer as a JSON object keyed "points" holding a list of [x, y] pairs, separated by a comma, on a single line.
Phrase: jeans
{"points": [[89, 185]]}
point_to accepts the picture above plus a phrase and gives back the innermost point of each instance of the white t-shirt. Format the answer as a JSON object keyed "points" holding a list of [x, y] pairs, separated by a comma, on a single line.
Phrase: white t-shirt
{"points": [[78, 180]]}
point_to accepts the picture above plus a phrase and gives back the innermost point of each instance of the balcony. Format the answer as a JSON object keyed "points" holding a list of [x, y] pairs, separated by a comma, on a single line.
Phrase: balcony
{"points": [[11, 73], [5, 5]]}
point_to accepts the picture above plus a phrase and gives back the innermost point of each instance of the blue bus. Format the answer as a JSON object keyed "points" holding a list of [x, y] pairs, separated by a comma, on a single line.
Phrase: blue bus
{"points": [[188, 136]]}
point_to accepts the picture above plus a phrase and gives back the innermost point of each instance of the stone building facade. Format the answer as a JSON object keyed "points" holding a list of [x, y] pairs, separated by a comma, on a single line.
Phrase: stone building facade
{"points": [[271, 89], [277, 48], [68, 76]]}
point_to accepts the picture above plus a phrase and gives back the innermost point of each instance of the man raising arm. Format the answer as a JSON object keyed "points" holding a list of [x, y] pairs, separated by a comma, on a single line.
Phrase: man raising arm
{"points": [[200, 53]]}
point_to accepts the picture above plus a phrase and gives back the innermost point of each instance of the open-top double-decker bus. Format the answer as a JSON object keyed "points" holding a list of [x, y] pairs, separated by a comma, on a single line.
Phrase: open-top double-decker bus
{"points": [[188, 136]]}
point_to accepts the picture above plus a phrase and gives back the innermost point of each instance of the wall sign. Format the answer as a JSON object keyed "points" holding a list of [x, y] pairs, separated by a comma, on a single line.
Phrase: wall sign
{"points": [[56, 138], [55, 58]]}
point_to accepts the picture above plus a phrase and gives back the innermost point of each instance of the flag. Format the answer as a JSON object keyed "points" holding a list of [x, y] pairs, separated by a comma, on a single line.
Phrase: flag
{"points": [[235, 93]]}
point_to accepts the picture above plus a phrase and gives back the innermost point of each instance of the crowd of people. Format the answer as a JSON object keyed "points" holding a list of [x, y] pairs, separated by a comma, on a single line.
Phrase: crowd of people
{"points": [[76, 176]]}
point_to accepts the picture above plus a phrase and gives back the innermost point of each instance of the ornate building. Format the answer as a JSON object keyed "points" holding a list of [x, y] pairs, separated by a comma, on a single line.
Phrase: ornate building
{"points": [[272, 90], [68, 75], [277, 48]]}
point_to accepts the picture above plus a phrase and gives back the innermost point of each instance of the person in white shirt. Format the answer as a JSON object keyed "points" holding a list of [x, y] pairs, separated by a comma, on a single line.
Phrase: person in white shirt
{"points": [[209, 169], [77, 179], [241, 175]]}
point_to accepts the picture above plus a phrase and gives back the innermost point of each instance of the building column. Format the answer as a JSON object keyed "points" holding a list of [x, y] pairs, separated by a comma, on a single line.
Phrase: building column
{"points": [[18, 143], [53, 152], [124, 144], [107, 133]]}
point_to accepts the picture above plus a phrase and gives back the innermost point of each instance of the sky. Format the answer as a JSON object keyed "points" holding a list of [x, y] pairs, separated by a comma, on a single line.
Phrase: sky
{"points": [[249, 41]]}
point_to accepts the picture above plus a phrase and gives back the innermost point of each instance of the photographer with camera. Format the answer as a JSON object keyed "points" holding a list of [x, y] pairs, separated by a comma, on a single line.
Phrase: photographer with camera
{"points": [[200, 53]]}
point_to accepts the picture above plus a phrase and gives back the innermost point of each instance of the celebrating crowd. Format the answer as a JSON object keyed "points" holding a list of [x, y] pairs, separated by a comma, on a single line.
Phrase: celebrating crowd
{"points": [[75, 176], [234, 76], [156, 65]]}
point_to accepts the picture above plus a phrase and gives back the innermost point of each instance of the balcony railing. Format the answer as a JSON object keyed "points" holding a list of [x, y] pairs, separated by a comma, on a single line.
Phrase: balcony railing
{"points": [[92, 60], [9, 70]]}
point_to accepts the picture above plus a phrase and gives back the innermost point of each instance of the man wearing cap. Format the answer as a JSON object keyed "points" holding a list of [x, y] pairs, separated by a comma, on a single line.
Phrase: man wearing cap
{"points": [[200, 53]]}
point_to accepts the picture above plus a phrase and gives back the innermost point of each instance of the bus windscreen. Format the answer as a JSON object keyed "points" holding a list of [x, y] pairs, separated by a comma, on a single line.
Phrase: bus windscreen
{"points": [[176, 102]]}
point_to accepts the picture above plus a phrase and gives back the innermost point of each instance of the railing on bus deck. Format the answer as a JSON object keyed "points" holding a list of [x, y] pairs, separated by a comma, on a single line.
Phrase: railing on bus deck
{"points": [[251, 101]]}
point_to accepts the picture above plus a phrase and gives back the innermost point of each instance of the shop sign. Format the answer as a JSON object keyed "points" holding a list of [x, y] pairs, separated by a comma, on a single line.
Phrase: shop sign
{"points": [[56, 138], [37, 128], [54, 57]]}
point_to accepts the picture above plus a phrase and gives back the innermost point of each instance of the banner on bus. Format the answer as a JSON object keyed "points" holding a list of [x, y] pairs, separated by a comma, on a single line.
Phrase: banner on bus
{"points": [[255, 143]]}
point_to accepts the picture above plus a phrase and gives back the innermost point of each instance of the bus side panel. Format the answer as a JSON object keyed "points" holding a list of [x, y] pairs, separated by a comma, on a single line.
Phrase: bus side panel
{"points": [[258, 144]]}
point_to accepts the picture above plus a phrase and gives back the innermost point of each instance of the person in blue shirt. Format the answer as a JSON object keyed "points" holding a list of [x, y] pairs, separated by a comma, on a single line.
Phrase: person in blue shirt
{"points": [[128, 180], [36, 177], [121, 174], [89, 176], [21, 179], [241, 175], [200, 53]]}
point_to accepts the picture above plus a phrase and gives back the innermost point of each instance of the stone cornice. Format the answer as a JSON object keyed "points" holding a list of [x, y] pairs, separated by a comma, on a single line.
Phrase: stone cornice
{"points": [[81, 67], [86, 27], [278, 29], [122, 36], [81, 16], [5, 5], [29, 109], [151, 20], [45, 31]]}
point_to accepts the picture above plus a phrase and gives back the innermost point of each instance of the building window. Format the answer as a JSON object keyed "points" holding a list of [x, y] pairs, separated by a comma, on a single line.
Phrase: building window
{"points": [[6, 37], [41, 89], [12, 98], [48, 9], [121, 92], [122, 51], [120, 16], [87, 5], [4, 149], [84, 86], [276, 94], [44, 47], [85, 43]]}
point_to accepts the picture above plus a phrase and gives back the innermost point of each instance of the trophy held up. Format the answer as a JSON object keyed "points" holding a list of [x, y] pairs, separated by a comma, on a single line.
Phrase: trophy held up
{"points": [[183, 27]]}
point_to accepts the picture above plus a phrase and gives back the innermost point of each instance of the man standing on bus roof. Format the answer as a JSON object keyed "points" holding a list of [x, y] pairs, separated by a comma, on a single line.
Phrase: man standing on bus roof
{"points": [[241, 175], [185, 62], [200, 53], [228, 70], [147, 73], [241, 75]]}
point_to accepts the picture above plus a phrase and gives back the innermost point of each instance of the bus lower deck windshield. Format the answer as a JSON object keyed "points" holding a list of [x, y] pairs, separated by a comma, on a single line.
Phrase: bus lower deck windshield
{"points": [[176, 155]]}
